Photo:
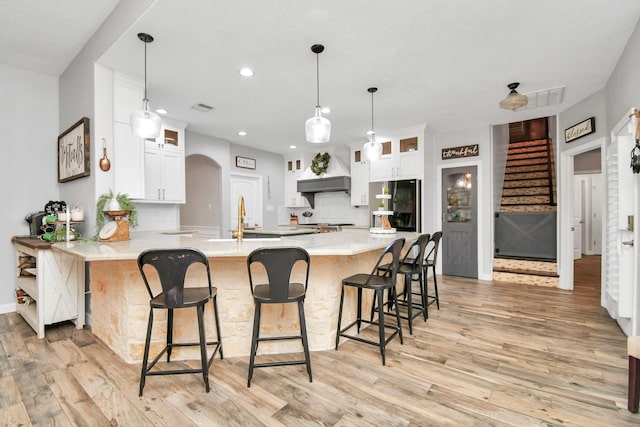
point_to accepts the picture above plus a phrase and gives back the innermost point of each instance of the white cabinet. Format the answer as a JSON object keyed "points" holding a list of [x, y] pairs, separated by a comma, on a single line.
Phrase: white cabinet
{"points": [[49, 287], [164, 176], [149, 170], [293, 168], [401, 159], [359, 178]]}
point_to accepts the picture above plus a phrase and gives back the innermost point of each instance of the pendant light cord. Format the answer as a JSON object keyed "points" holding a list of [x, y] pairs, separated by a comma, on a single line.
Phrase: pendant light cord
{"points": [[372, 113], [145, 71], [317, 80]]}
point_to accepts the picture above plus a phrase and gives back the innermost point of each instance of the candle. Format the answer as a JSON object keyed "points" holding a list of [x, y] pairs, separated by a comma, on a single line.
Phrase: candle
{"points": [[68, 224]]}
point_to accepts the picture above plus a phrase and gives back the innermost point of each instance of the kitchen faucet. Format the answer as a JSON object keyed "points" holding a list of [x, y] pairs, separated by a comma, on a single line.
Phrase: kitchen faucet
{"points": [[241, 213]]}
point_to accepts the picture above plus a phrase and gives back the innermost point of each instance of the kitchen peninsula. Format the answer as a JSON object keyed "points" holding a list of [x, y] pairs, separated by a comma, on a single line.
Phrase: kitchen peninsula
{"points": [[120, 303]]}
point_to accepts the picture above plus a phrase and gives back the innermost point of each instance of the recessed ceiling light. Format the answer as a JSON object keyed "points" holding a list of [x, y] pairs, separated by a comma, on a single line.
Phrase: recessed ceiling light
{"points": [[293, 147], [326, 110], [161, 111], [242, 133], [246, 72]]}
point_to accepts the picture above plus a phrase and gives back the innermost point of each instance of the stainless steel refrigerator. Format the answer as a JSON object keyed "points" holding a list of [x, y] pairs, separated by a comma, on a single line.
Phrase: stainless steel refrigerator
{"points": [[404, 202]]}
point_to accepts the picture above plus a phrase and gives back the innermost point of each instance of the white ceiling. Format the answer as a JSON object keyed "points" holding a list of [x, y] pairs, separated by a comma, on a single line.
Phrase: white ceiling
{"points": [[438, 62]]}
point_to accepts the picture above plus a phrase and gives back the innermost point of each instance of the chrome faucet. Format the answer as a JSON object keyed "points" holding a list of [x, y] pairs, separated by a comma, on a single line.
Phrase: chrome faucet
{"points": [[241, 213]]}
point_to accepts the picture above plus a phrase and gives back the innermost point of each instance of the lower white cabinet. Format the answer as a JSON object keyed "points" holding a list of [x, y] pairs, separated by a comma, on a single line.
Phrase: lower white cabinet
{"points": [[49, 287]]}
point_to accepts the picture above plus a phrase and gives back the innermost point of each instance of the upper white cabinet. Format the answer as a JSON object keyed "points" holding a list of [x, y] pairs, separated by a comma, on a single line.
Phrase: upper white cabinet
{"points": [[359, 178], [128, 149], [164, 180], [402, 158], [294, 165], [149, 170]]}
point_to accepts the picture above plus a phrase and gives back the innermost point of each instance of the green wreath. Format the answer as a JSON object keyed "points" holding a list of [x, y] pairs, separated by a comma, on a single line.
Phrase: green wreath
{"points": [[320, 163]]}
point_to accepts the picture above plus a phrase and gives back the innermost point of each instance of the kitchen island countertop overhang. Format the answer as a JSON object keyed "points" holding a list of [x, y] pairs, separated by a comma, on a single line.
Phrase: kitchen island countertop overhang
{"points": [[120, 303]]}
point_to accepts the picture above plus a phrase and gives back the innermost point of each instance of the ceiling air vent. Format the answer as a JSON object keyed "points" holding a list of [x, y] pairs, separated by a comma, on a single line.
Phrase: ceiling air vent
{"points": [[545, 97], [204, 108]]}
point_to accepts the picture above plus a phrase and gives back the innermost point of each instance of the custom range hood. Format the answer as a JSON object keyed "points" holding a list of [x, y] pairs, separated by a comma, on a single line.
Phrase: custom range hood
{"points": [[336, 178]]}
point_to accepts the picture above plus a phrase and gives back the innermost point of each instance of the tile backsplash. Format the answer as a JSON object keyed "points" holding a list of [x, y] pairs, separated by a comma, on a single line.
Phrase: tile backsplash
{"points": [[331, 207]]}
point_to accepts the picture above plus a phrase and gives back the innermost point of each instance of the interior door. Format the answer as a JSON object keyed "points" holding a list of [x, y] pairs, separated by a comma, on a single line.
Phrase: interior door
{"points": [[578, 209], [460, 222], [249, 187]]}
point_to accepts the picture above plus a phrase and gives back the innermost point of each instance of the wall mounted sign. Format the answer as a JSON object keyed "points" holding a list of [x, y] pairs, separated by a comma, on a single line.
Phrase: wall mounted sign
{"points": [[458, 152], [581, 129], [245, 162], [73, 152]]}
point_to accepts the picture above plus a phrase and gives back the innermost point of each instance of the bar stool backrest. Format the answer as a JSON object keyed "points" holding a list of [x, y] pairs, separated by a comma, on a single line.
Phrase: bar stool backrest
{"points": [[278, 263], [415, 253], [171, 266], [432, 255], [394, 249]]}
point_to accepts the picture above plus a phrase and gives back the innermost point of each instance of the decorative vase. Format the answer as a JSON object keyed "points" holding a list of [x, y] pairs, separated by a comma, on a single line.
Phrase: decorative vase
{"points": [[112, 205]]}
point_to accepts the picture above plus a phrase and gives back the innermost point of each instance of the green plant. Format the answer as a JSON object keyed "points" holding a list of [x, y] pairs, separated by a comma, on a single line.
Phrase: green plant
{"points": [[381, 204], [125, 205]]}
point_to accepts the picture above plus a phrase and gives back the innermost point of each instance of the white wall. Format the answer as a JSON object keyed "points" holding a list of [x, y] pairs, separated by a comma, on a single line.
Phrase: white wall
{"points": [[29, 128]]}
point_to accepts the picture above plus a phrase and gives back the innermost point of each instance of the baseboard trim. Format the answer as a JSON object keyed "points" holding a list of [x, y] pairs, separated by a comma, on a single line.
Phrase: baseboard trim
{"points": [[8, 308]]}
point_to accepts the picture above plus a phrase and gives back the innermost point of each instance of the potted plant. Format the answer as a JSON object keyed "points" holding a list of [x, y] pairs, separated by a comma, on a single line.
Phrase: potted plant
{"points": [[381, 205], [108, 201]]}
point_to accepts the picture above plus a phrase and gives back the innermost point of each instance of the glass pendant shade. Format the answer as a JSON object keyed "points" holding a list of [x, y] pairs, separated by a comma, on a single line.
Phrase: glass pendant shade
{"points": [[318, 128], [145, 123], [373, 149]]}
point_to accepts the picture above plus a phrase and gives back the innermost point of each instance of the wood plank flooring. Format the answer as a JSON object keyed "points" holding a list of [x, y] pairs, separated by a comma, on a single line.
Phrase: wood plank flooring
{"points": [[495, 354]]}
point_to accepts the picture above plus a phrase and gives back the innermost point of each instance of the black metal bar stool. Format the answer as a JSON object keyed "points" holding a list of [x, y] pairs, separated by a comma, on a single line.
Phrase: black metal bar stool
{"points": [[171, 266], [379, 282], [278, 263], [430, 262], [412, 265]]}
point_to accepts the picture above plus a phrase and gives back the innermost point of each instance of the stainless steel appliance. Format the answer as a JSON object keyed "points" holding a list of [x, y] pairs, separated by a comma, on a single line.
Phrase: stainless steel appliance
{"points": [[405, 203]]}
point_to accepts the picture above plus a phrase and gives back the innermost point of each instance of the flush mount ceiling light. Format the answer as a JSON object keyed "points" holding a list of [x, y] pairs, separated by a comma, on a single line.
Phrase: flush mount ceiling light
{"points": [[246, 72], [317, 128], [373, 149], [514, 100], [145, 123]]}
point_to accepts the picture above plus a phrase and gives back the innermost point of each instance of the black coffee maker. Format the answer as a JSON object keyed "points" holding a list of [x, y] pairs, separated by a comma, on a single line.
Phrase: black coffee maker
{"points": [[35, 223]]}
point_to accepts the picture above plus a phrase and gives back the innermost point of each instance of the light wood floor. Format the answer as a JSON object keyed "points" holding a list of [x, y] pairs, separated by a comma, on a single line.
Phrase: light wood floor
{"points": [[494, 354]]}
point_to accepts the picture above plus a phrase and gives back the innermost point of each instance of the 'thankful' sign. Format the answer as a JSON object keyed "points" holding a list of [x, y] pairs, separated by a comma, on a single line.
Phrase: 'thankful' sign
{"points": [[458, 152]]}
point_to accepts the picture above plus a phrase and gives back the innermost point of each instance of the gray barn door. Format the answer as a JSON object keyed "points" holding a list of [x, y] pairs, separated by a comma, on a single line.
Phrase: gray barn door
{"points": [[460, 222]]}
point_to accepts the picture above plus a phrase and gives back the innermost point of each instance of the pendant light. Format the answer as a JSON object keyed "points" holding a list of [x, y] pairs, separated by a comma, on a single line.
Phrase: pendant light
{"points": [[145, 123], [317, 128], [514, 100], [373, 149]]}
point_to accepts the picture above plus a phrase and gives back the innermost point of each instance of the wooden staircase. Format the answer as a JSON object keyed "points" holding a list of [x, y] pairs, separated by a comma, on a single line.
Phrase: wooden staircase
{"points": [[529, 186]]}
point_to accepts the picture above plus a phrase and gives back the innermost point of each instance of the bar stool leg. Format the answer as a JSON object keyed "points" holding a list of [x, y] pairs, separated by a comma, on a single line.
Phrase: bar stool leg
{"points": [[408, 291], [381, 324], [254, 341], [398, 316], [303, 334], [423, 294], [435, 287], [203, 347], [217, 319], [169, 334], [340, 317], [145, 358], [359, 319]]}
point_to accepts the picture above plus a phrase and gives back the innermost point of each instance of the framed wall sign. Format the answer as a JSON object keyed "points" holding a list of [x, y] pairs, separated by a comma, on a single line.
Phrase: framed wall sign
{"points": [[458, 152], [73, 152], [581, 129], [245, 162]]}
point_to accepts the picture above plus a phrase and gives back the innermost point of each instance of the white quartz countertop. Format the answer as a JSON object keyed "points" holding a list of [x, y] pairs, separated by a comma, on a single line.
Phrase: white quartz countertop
{"points": [[346, 242]]}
